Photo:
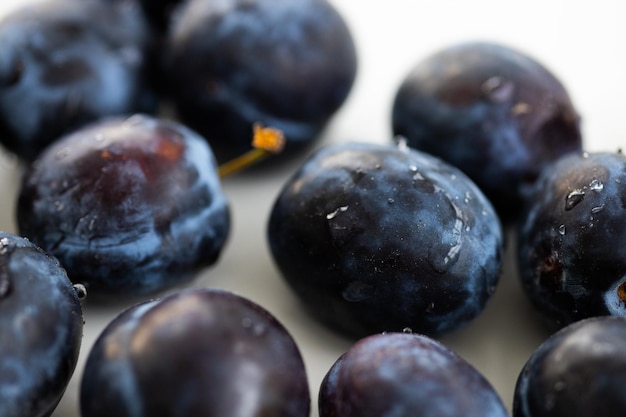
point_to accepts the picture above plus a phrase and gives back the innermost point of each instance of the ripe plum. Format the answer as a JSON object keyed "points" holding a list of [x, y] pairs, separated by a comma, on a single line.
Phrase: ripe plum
{"points": [[130, 206], [380, 238]]}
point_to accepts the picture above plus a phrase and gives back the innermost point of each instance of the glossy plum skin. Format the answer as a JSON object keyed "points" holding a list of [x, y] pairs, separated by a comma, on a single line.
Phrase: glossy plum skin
{"points": [[195, 353], [570, 259], [400, 374], [41, 329], [494, 112], [65, 63], [579, 371], [380, 238], [288, 65], [130, 206]]}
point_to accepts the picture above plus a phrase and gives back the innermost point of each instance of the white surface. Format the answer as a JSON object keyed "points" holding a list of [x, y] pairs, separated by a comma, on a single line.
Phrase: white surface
{"points": [[582, 42]]}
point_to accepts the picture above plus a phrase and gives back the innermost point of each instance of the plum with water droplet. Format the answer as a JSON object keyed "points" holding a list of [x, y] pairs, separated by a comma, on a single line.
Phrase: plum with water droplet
{"points": [[379, 238], [491, 110], [400, 374], [289, 65], [580, 371], [130, 206], [198, 352], [41, 329], [571, 259]]}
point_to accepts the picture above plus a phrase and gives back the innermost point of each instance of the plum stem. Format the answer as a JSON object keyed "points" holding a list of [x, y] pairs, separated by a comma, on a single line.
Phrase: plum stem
{"points": [[265, 141]]}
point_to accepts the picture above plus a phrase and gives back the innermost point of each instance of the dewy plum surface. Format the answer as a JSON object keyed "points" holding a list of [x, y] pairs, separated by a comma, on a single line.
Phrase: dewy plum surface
{"points": [[492, 111], [380, 238], [41, 329], [130, 206], [579, 41], [571, 256]]}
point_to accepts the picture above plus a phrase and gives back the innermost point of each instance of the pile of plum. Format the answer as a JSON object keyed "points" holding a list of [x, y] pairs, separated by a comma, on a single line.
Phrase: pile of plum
{"points": [[121, 112]]}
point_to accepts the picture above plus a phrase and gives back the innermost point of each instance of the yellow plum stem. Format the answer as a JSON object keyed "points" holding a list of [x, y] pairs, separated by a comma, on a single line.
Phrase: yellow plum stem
{"points": [[265, 141]]}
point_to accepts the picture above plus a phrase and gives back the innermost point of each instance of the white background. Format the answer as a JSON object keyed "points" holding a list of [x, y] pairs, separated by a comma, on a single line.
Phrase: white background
{"points": [[582, 42]]}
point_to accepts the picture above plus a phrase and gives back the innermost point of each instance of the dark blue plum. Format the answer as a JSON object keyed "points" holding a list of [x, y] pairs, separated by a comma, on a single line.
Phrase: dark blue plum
{"points": [[399, 374], [195, 353], [571, 261], [130, 206], [380, 238], [64, 63], [41, 329], [288, 65], [494, 112], [579, 371]]}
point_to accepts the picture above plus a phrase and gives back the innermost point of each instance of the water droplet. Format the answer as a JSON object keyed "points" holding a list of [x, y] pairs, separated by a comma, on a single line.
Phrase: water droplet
{"points": [[585, 155], [390, 200], [453, 239], [413, 168], [596, 185], [574, 198], [334, 214], [5, 244], [401, 143], [407, 330], [561, 230], [81, 291], [453, 177], [468, 197], [598, 209]]}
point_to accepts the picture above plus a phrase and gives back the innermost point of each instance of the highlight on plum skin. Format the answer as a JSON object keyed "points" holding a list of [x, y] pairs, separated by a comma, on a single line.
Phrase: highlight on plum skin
{"points": [[198, 352], [130, 206], [493, 111], [570, 261], [404, 374], [578, 371], [375, 238], [66, 63], [41, 329], [231, 64]]}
